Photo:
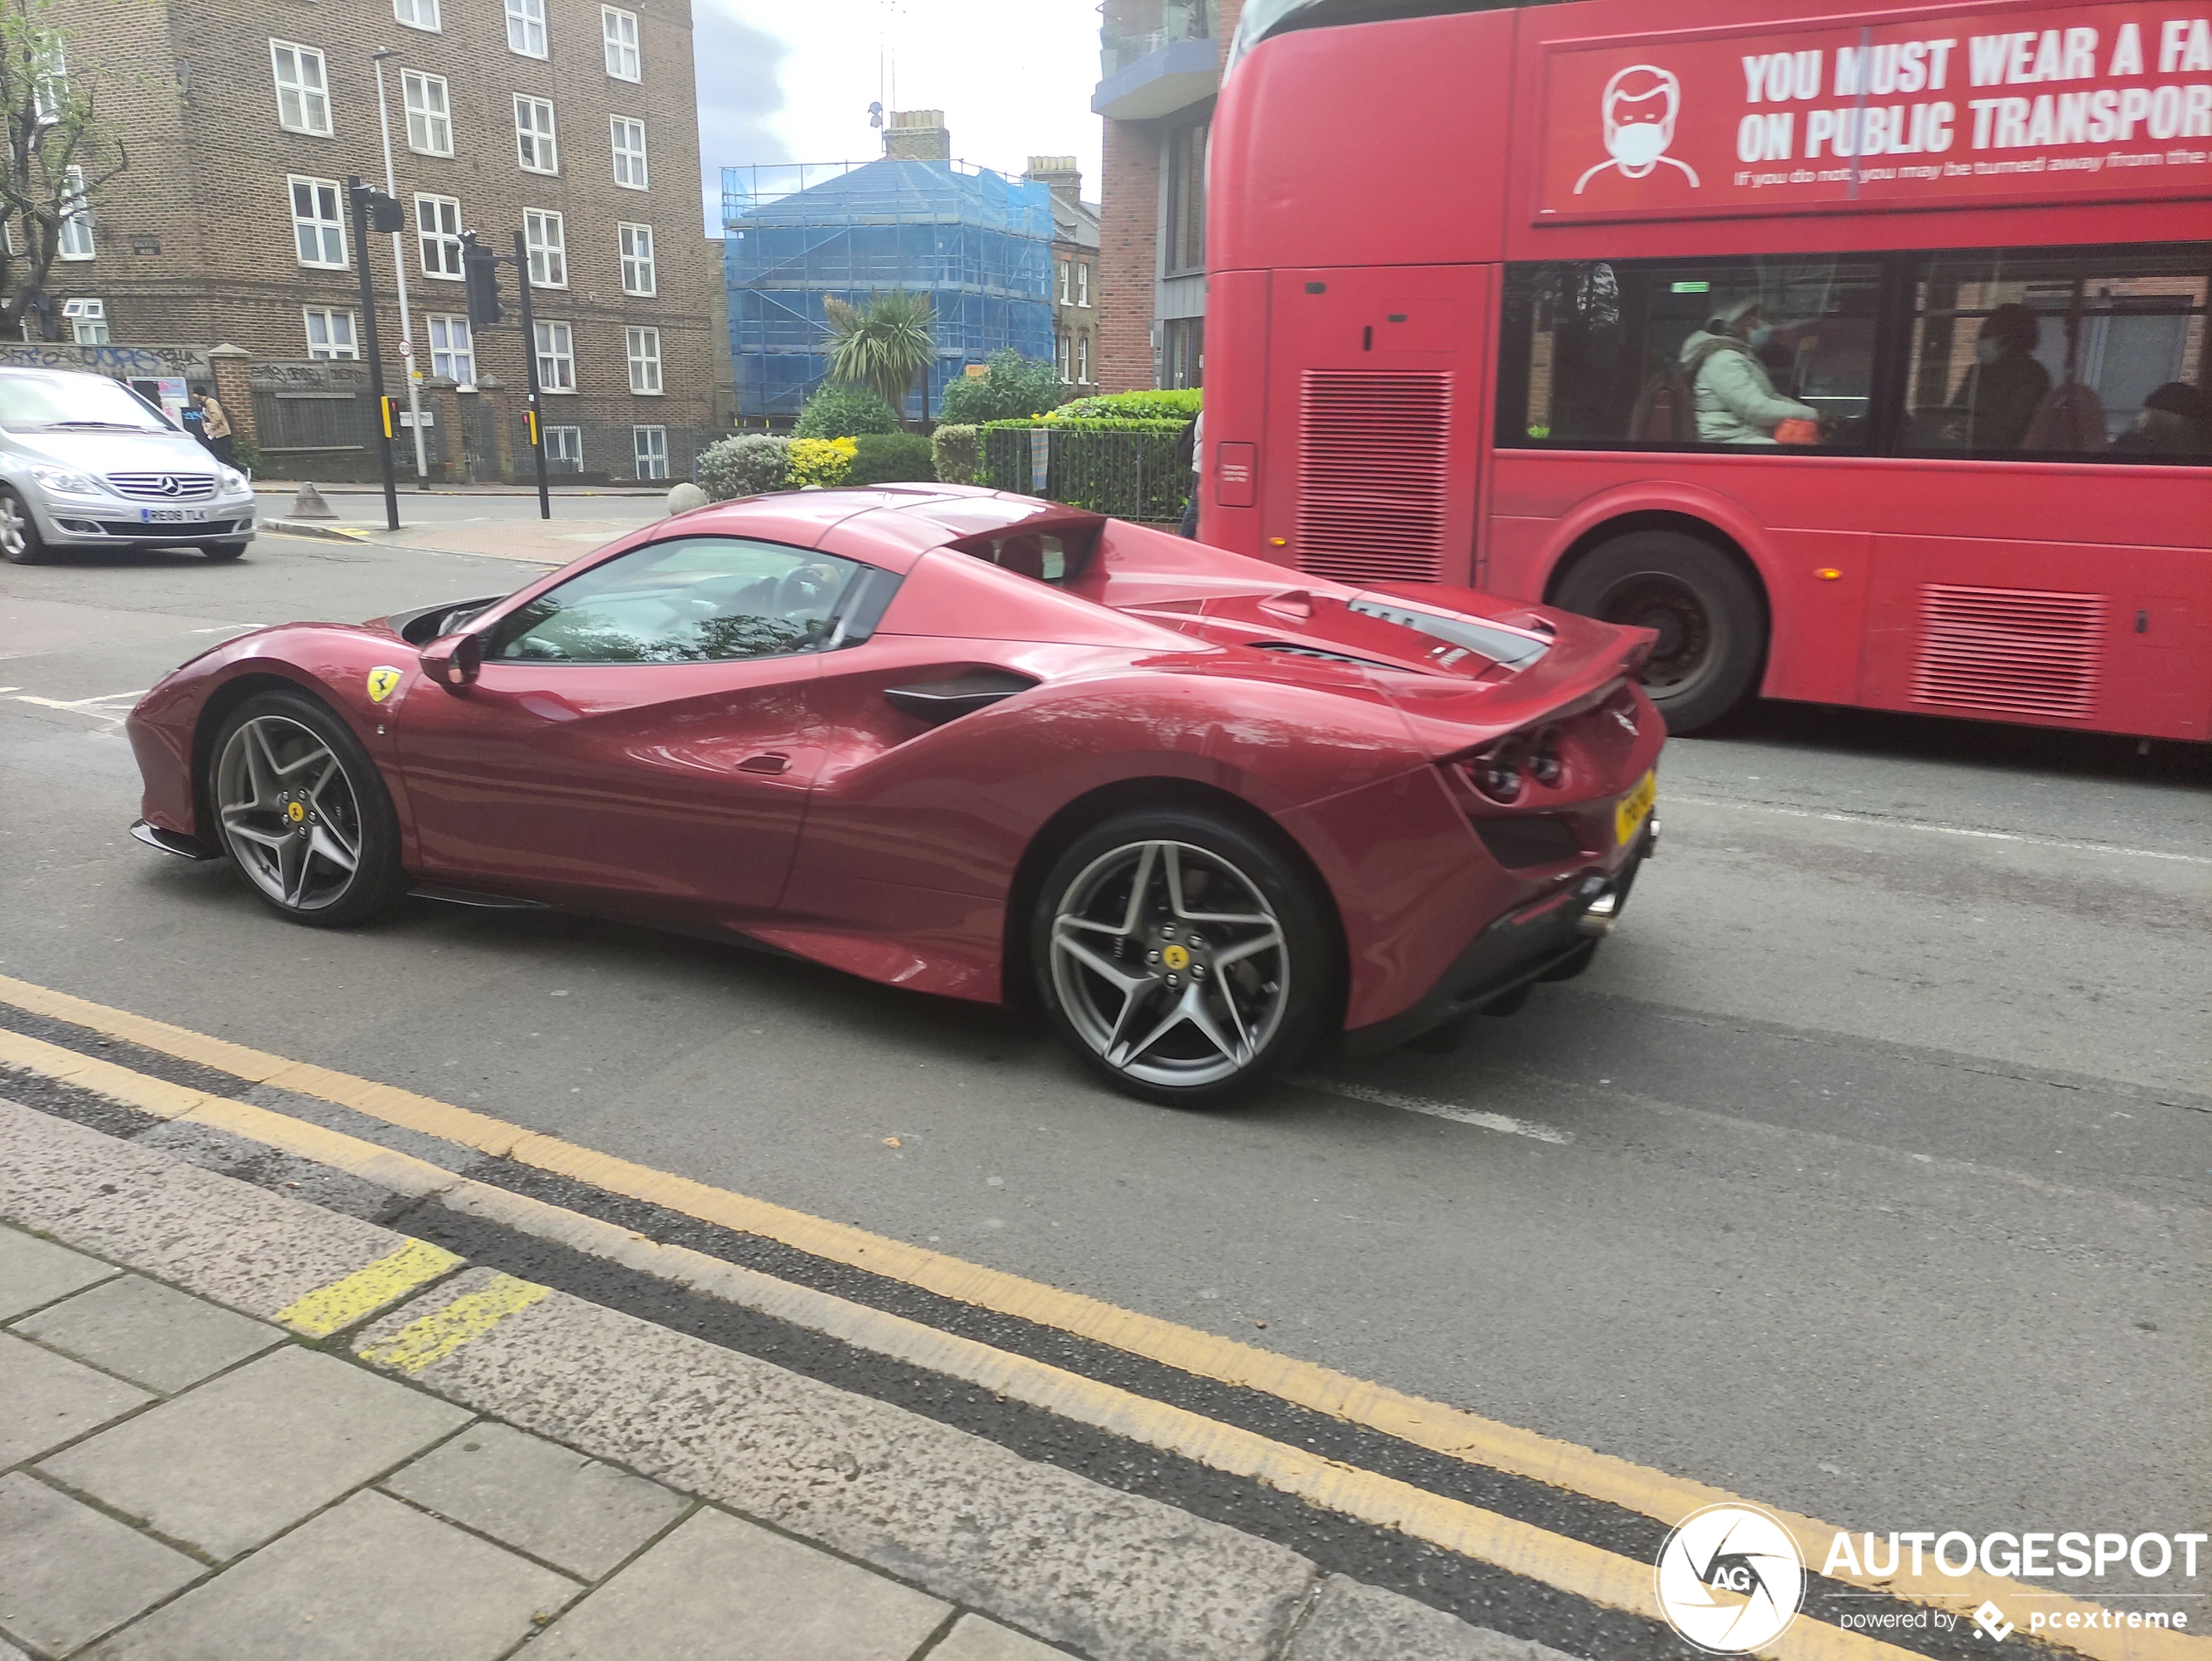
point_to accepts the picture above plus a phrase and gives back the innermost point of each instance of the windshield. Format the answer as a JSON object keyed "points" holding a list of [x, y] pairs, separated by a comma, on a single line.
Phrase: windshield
{"points": [[44, 403]]}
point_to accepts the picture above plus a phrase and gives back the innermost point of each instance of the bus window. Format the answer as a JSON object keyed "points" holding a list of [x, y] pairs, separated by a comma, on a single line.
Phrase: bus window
{"points": [[2043, 352], [1728, 353]]}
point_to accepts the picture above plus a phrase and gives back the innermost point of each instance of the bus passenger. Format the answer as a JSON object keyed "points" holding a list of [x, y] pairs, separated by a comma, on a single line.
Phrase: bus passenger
{"points": [[2176, 420], [1735, 399], [2006, 387]]}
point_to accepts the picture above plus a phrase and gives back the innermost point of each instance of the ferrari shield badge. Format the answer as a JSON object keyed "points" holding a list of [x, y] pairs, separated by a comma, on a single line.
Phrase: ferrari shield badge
{"points": [[381, 679]]}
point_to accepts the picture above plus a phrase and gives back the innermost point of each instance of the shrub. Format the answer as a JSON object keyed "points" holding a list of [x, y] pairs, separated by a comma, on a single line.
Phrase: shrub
{"points": [[749, 464], [837, 411], [954, 452], [890, 458], [244, 456], [821, 461], [1169, 403], [1011, 387]]}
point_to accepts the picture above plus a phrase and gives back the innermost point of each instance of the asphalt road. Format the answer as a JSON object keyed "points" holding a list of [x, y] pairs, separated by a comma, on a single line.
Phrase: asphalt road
{"points": [[1866, 1173]]}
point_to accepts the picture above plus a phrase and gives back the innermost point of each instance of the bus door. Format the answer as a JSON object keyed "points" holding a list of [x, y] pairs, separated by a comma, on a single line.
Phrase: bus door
{"points": [[1377, 421]]}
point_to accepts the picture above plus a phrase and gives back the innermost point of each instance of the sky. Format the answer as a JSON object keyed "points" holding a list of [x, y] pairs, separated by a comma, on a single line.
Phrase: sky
{"points": [[791, 80]]}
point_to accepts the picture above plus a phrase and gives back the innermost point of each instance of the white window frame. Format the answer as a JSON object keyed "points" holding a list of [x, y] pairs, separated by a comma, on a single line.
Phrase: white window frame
{"points": [[453, 346], [1083, 283], [429, 116], [649, 452], [438, 233], [1083, 359], [625, 50], [629, 158], [537, 149], [556, 347], [329, 351], [322, 226], [640, 276], [1066, 282], [87, 320], [76, 240], [642, 342], [50, 86], [1067, 356], [559, 442], [413, 13], [526, 35], [545, 239], [312, 101]]}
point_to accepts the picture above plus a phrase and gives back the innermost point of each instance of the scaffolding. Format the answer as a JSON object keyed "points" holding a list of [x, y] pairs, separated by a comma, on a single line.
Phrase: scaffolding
{"points": [[977, 241]]}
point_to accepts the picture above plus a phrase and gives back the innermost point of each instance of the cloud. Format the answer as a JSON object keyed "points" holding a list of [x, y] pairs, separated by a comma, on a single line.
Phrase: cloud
{"points": [[739, 69]]}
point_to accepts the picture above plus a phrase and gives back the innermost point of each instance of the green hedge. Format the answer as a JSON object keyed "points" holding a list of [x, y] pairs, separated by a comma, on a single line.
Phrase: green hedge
{"points": [[1171, 404], [891, 458], [840, 411], [954, 452], [1124, 467]]}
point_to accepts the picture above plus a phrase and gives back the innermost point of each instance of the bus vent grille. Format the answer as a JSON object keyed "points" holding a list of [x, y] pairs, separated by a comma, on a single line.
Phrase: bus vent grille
{"points": [[2009, 652], [1371, 475]]}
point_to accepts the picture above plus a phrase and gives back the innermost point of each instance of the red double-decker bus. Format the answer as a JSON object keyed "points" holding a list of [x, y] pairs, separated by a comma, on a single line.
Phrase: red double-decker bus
{"points": [[1861, 355]]}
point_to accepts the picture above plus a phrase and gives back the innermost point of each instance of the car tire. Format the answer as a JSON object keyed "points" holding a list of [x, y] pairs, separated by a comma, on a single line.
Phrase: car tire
{"points": [[20, 543], [1708, 615], [302, 813], [1216, 975], [223, 550]]}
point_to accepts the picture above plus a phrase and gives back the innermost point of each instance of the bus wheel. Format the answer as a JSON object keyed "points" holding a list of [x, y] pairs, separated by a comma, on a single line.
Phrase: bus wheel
{"points": [[1711, 626]]}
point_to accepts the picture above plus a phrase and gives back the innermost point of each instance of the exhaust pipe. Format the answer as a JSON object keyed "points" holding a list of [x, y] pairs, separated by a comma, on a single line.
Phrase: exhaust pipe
{"points": [[1604, 911]]}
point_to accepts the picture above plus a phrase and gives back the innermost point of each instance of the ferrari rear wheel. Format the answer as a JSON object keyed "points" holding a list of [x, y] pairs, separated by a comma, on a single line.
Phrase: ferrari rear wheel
{"points": [[1181, 956], [303, 814]]}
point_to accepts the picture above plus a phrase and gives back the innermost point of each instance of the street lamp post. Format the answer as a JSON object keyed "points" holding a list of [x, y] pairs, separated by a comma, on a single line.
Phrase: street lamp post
{"points": [[399, 269]]}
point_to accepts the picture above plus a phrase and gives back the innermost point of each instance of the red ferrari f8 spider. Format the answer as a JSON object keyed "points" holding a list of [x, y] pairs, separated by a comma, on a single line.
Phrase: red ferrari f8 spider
{"points": [[1204, 811]]}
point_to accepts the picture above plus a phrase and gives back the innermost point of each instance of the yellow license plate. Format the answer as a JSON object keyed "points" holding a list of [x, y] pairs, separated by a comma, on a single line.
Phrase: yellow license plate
{"points": [[1635, 808]]}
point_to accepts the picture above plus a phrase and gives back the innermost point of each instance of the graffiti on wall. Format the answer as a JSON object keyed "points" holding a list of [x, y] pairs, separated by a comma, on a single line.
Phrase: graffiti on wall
{"points": [[124, 362]]}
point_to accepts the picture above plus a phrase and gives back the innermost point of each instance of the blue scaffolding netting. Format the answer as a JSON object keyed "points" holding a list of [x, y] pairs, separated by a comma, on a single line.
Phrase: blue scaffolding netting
{"points": [[978, 242]]}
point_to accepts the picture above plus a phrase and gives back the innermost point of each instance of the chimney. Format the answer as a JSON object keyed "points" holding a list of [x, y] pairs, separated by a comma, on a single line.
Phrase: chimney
{"points": [[1059, 174], [918, 135]]}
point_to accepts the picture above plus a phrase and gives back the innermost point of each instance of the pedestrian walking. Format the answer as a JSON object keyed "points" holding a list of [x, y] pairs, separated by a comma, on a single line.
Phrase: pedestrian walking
{"points": [[215, 430]]}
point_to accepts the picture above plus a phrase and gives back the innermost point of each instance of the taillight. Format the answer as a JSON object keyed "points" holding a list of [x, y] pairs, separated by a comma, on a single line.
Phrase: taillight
{"points": [[1501, 771], [1544, 765]]}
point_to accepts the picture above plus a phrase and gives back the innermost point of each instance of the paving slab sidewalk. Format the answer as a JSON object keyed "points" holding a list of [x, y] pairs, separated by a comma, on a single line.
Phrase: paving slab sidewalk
{"points": [[250, 1429]]}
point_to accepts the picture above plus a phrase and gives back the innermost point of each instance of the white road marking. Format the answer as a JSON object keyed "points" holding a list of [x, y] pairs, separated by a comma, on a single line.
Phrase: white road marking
{"points": [[97, 708], [1877, 820], [1504, 1122]]}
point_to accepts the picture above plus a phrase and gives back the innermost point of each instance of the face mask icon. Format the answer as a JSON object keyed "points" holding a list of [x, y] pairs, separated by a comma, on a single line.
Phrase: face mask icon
{"points": [[1640, 106]]}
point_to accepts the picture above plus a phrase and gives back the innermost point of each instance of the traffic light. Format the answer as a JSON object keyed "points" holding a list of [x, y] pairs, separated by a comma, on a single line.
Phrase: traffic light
{"points": [[480, 267], [384, 213]]}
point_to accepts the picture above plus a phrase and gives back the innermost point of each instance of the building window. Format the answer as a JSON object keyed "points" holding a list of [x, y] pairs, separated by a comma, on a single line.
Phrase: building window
{"points": [[75, 241], [437, 224], [534, 142], [1182, 352], [1063, 349], [1067, 290], [526, 27], [620, 28], [429, 113], [1083, 359], [637, 275], [645, 359], [317, 229], [564, 448], [1083, 283], [556, 358], [330, 333], [87, 320], [302, 88], [1185, 249], [650, 446], [546, 240], [452, 350], [50, 84], [418, 14], [630, 152]]}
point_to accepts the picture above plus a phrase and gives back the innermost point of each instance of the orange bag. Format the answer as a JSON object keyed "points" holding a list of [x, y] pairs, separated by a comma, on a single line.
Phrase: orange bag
{"points": [[1795, 431]]}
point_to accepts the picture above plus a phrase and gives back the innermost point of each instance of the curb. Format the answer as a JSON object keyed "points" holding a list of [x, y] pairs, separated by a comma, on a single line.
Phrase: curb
{"points": [[302, 528]]}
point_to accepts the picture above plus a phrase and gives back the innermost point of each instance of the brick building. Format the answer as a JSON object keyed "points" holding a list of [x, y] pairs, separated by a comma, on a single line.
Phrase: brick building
{"points": [[1161, 62], [1075, 272], [572, 120]]}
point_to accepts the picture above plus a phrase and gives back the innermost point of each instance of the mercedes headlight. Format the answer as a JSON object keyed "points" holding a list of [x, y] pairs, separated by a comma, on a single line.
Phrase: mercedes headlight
{"points": [[62, 482], [232, 479]]}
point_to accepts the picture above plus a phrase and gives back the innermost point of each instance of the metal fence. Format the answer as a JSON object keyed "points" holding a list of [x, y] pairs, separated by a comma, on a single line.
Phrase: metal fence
{"points": [[1130, 476]]}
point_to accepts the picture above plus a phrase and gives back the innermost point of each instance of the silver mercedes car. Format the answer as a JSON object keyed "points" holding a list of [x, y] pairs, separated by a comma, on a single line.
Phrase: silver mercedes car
{"points": [[86, 462]]}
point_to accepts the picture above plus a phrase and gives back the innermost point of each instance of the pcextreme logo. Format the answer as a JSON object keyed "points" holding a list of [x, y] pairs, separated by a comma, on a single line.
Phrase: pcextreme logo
{"points": [[1729, 1579]]}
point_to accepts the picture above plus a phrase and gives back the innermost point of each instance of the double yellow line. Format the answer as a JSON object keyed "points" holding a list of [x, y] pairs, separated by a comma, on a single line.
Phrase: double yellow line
{"points": [[1586, 1571]]}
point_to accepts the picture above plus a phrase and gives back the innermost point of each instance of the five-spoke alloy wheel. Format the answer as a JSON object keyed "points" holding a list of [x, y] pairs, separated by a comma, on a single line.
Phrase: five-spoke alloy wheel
{"points": [[1180, 956], [302, 813]]}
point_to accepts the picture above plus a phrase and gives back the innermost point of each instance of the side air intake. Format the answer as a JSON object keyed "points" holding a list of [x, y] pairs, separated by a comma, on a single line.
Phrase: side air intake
{"points": [[2009, 652]]}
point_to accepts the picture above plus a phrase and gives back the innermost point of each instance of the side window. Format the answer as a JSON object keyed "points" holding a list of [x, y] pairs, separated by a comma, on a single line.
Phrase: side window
{"points": [[2061, 352], [1757, 353], [696, 599]]}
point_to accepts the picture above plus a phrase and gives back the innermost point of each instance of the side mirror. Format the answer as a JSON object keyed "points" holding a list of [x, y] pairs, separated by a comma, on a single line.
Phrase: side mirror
{"points": [[454, 659]]}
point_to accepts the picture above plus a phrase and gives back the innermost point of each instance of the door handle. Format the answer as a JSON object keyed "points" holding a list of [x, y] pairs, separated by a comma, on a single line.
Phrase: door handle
{"points": [[773, 761]]}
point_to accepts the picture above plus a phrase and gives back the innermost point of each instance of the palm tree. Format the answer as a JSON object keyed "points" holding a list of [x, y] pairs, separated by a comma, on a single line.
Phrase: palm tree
{"points": [[882, 346]]}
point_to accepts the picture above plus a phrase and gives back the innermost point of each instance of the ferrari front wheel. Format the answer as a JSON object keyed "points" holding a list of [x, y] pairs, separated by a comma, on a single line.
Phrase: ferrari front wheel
{"points": [[1180, 956], [303, 814]]}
